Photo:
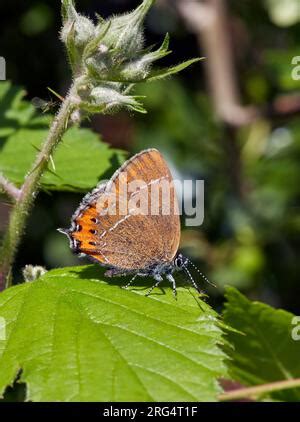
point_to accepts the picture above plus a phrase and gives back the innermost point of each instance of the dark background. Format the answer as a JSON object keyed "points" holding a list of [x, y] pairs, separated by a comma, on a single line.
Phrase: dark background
{"points": [[244, 140]]}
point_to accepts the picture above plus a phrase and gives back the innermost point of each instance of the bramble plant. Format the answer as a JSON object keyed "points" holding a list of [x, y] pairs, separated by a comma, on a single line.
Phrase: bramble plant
{"points": [[106, 61], [70, 335]]}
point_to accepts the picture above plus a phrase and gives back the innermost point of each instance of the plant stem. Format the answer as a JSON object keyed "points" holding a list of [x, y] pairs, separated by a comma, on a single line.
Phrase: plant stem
{"points": [[9, 188], [258, 390], [30, 189]]}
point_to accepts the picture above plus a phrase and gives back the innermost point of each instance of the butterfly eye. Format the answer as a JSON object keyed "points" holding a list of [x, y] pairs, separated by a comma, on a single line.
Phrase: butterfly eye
{"points": [[178, 262]]}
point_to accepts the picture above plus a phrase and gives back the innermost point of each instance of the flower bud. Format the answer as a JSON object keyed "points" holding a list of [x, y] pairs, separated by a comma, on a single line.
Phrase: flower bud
{"points": [[139, 69], [109, 98], [76, 33], [125, 34], [31, 272], [75, 117], [99, 65], [108, 59], [136, 70], [80, 28]]}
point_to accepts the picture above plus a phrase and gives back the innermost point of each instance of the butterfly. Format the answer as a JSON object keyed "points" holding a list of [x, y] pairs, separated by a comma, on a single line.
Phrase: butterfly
{"points": [[131, 242]]}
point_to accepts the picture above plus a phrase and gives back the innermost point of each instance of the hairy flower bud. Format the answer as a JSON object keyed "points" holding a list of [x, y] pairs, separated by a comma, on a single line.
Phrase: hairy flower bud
{"points": [[139, 69], [31, 272], [109, 97], [125, 35], [109, 58], [76, 33], [99, 65], [80, 28], [136, 70]]}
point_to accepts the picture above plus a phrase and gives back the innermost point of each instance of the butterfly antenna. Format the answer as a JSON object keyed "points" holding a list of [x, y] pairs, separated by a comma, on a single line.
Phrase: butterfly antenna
{"points": [[64, 231], [199, 272], [191, 279]]}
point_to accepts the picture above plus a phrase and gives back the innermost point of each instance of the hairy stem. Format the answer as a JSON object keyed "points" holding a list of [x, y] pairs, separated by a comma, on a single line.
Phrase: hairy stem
{"points": [[8, 187], [258, 390], [30, 189]]}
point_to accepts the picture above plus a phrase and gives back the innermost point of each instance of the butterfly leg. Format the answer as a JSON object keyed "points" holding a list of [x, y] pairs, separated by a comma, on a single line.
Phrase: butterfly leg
{"points": [[130, 281], [158, 279], [172, 280]]}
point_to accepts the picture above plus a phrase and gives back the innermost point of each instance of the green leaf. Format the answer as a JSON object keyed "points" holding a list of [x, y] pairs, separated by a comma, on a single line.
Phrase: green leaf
{"points": [[14, 111], [163, 51], [80, 160], [77, 338], [163, 73], [153, 75], [165, 44], [267, 352]]}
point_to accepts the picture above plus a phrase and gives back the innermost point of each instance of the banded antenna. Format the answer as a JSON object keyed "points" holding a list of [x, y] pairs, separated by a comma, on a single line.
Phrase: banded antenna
{"points": [[202, 275]]}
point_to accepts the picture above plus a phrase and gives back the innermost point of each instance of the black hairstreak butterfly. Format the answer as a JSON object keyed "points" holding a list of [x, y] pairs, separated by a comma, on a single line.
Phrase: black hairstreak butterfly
{"points": [[107, 228]]}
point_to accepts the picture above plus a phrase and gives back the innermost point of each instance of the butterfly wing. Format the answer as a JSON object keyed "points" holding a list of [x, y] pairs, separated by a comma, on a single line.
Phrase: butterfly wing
{"points": [[126, 238]]}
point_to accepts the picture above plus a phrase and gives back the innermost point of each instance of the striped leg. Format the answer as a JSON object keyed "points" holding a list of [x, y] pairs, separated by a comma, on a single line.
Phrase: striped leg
{"points": [[158, 279], [172, 280], [130, 282]]}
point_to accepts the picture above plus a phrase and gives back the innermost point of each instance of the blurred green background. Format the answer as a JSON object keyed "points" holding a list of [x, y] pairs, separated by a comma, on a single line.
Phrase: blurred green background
{"points": [[232, 120]]}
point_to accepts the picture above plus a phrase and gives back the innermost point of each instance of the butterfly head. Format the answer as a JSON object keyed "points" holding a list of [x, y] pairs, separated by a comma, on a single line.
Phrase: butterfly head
{"points": [[180, 261]]}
